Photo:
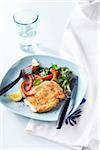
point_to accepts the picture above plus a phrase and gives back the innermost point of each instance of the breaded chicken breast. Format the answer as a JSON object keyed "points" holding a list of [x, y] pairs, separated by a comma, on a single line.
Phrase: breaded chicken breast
{"points": [[47, 96]]}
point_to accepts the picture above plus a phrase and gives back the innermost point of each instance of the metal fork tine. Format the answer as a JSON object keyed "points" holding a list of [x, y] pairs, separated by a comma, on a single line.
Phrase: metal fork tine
{"points": [[27, 70]]}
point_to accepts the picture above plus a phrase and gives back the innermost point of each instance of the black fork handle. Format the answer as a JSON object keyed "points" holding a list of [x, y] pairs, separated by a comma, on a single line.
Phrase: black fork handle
{"points": [[62, 113], [9, 86]]}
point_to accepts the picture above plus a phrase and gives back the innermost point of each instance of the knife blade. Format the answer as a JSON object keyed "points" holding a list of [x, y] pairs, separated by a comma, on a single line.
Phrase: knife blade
{"points": [[66, 103]]}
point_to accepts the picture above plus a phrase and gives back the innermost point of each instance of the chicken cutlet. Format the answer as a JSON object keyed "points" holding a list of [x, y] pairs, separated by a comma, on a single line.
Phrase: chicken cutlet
{"points": [[47, 96]]}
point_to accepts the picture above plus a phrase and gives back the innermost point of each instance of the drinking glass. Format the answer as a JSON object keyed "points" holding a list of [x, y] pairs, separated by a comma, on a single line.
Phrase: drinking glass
{"points": [[26, 21]]}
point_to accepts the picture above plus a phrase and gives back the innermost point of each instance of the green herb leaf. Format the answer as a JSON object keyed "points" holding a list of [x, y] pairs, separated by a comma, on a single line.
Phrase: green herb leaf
{"points": [[64, 78], [45, 72], [37, 82], [55, 66]]}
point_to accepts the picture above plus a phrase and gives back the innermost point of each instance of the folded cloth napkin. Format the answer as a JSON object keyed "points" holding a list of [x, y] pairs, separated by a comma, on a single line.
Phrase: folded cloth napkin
{"points": [[80, 46]]}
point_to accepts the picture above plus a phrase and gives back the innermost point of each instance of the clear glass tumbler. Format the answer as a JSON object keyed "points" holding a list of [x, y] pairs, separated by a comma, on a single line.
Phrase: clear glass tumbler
{"points": [[26, 21]]}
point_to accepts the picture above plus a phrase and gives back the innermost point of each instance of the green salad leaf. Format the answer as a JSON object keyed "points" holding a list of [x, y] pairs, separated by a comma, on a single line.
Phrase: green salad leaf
{"points": [[64, 78], [45, 71], [37, 82], [55, 66]]}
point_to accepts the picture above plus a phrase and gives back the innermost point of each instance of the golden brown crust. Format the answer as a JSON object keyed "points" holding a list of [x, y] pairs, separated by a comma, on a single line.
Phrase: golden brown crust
{"points": [[47, 96]]}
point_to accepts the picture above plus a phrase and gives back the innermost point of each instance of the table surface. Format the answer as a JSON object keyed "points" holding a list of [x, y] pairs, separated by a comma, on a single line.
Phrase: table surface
{"points": [[53, 17]]}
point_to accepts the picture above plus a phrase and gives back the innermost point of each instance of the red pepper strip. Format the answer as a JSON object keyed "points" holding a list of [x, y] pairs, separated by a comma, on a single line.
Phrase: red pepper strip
{"points": [[34, 68], [37, 75], [54, 73], [47, 77], [23, 85], [30, 82]]}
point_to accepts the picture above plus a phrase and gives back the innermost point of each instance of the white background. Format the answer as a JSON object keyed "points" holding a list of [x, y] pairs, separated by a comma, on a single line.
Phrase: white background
{"points": [[52, 20]]}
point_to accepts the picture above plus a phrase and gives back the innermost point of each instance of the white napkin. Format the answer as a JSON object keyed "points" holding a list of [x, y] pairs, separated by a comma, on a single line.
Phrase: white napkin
{"points": [[91, 9], [80, 46]]}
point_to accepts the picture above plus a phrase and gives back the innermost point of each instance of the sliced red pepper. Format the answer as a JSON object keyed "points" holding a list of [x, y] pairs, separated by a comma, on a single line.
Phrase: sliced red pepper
{"points": [[34, 68], [52, 76], [30, 82], [37, 75], [23, 85], [47, 77], [54, 73]]}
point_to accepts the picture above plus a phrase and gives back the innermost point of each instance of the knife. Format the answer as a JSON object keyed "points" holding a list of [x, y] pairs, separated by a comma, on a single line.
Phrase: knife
{"points": [[72, 97]]}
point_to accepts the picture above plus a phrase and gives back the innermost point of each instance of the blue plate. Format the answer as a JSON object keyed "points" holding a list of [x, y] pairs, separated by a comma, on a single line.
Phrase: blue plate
{"points": [[45, 61]]}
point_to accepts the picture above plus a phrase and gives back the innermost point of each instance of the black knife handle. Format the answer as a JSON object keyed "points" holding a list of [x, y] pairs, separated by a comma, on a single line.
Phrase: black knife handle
{"points": [[62, 113], [9, 86]]}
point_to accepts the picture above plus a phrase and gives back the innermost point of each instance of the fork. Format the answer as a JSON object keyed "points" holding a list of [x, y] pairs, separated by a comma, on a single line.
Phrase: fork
{"points": [[23, 72]]}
